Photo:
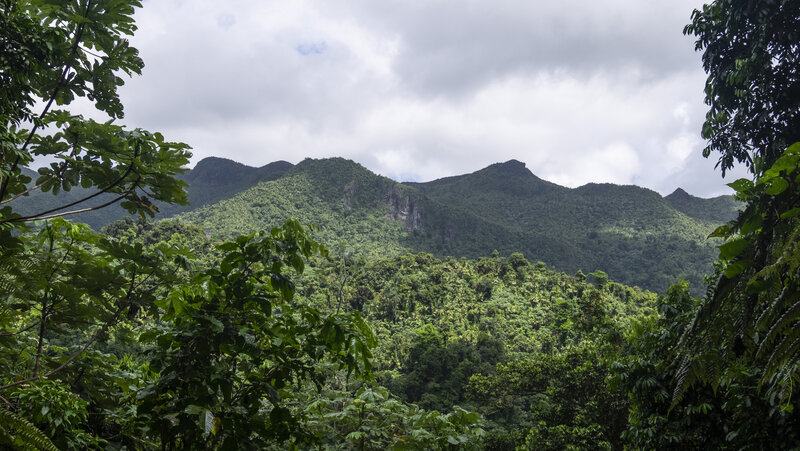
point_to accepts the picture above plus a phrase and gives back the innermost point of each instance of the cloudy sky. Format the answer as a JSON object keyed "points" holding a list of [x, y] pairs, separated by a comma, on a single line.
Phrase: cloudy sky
{"points": [[580, 90]]}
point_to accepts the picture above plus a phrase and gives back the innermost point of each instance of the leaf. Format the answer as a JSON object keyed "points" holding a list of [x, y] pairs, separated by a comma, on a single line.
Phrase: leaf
{"points": [[720, 232], [791, 213], [192, 409], [733, 248], [752, 224], [355, 436], [208, 421], [27, 435], [777, 186], [736, 268], [741, 185]]}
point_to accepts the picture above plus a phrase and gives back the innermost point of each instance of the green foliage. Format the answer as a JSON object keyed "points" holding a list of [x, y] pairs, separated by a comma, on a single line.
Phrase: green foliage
{"points": [[57, 411], [695, 373], [76, 49], [734, 416], [371, 418], [120, 341], [562, 399], [750, 55], [19, 434], [238, 341], [147, 336], [751, 312], [442, 323], [224, 344], [71, 290]]}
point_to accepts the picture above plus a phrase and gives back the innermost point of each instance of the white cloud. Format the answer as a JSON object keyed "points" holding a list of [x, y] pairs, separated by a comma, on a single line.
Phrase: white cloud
{"points": [[579, 90]]}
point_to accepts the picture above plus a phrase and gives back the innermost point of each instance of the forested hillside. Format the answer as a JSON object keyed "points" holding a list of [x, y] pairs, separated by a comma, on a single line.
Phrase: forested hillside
{"points": [[450, 331], [632, 233]]}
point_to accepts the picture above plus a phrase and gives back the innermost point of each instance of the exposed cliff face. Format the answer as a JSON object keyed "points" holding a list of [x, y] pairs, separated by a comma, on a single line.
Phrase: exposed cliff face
{"points": [[349, 191], [401, 206]]}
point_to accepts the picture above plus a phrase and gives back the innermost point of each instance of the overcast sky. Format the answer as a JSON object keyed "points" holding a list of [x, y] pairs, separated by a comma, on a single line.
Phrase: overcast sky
{"points": [[580, 90]]}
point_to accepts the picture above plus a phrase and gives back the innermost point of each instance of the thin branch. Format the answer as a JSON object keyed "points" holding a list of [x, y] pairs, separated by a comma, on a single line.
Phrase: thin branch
{"points": [[96, 55], [11, 334], [27, 191], [56, 215], [41, 215], [57, 174], [40, 341], [91, 341], [46, 310]]}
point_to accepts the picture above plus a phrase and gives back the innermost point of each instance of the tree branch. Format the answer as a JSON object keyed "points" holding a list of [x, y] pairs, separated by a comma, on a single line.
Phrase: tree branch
{"points": [[60, 171], [41, 215], [94, 338], [25, 329]]}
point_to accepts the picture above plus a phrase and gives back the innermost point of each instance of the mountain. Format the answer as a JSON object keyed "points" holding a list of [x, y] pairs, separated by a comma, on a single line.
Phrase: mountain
{"points": [[211, 180], [214, 179], [632, 233], [345, 201], [717, 209], [635, 235]]}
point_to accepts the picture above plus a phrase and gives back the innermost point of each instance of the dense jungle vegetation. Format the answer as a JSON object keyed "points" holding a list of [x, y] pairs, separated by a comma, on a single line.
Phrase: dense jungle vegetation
{"points": [[631, 233], [224, 330]]}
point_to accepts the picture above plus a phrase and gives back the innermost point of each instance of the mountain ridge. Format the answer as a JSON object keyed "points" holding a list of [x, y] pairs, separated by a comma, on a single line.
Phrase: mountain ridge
{"points": [[624, 230], [634, 234]]}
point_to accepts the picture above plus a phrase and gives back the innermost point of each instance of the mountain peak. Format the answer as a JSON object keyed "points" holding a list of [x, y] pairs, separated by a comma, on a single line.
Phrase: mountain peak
{"points": [[679, 195], [512, 167], [217, 171], [277, 165]]}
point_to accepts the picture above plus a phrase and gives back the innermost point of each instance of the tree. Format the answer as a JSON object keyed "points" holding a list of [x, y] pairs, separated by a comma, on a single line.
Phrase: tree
{"points": [[239, 345], [63, 288], [750, 51], [734, 416], [561, 400], [751, 313], [53, 52]]}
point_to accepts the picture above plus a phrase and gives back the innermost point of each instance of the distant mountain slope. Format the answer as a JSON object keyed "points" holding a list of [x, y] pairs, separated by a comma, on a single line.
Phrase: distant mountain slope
{"points": [[214, 179], [38, 202], [345, 201], [717, 209], [632, 233], [211, 180]]}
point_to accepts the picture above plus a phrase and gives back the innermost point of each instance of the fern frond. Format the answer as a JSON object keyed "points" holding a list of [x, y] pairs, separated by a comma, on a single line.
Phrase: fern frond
{"points": [[21, 434], [782, 325], [772, 310], [787, 377], [784, 352]]}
